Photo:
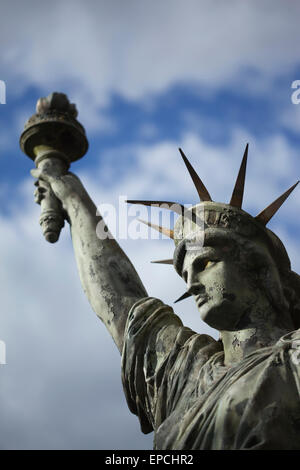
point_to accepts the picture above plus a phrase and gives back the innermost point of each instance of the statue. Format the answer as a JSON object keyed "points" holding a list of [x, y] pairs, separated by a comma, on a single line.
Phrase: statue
{"points": [[195, 392]]}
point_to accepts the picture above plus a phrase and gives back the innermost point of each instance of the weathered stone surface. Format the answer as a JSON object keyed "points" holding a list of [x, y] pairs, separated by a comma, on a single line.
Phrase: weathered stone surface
{"points": [[176, 381], [241, 392]]}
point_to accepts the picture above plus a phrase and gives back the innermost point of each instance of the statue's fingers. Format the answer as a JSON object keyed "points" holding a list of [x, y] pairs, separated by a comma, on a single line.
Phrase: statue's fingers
{"points": [[38, 198], [39, 191], [35, 173], [41, 175], [39, 194]]}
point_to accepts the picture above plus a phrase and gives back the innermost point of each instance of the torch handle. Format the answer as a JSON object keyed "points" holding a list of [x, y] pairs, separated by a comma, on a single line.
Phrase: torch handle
{"points": [[53, 138], [52, 216]]}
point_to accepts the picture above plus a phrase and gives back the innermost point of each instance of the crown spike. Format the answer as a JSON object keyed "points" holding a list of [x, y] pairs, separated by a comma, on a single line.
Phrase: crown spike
{"points": [[238, 191], [184, 296], [165, 231], [266, 215], [172, 206], [163, 261], [201, 189]]}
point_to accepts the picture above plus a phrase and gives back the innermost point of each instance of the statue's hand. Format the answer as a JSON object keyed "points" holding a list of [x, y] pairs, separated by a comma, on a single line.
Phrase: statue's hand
{"points": [[65, 187]]}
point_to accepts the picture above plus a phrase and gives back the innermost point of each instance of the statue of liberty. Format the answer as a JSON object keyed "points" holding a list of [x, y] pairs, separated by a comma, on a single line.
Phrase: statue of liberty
{"points": [[195, 392]]}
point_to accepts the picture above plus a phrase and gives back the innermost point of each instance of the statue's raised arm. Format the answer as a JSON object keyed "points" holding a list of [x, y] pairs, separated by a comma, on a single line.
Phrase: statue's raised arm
{"points": [[53, 138]]}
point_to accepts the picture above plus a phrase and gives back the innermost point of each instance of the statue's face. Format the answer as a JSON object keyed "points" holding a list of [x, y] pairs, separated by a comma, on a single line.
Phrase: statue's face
{"points": [[230, 278]]}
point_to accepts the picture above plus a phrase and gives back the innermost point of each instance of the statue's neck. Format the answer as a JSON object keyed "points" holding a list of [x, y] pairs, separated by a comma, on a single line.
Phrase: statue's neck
{"points": [[262, 329]]}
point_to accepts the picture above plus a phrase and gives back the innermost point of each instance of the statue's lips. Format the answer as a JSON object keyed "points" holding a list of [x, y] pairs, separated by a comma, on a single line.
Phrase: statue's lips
{"points": [[201, 299]]}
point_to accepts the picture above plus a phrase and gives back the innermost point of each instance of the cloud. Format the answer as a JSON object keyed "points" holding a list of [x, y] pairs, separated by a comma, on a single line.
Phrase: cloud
{"points": [[139, 48], [290, 118]]}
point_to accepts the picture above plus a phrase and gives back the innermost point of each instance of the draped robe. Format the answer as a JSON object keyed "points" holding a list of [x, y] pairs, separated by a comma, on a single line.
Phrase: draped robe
{"points": [[176, 382]]}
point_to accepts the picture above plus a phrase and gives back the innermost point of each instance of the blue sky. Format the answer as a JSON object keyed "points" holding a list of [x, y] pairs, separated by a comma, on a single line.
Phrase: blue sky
{"points": [[147, 78]]}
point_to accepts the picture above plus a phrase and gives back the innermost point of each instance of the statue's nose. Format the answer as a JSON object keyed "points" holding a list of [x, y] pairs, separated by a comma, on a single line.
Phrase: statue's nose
{"points": [[194, 286]]}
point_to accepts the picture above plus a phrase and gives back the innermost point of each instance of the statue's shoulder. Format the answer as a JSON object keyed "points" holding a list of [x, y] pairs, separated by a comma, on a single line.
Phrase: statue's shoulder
{"points": [[151, 321], [151, 308]]}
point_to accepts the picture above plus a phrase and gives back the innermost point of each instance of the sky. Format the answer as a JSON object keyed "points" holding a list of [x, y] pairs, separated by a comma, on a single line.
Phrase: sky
{"points": [[147, 78]]}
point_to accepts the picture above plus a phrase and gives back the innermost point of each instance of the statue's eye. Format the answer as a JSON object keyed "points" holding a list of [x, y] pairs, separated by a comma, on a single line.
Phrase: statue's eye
{"points": [[205, 263]]}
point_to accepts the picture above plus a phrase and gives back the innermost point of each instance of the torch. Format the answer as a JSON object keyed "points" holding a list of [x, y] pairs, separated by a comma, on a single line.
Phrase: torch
{"points": [[53, 139]]}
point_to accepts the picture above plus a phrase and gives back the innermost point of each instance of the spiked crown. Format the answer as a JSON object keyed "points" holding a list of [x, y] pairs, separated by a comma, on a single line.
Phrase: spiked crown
{"points": [[230, 217]]}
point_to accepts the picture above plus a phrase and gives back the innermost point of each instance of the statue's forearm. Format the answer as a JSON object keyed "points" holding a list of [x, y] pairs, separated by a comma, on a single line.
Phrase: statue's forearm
{"points": [[107, 275]]}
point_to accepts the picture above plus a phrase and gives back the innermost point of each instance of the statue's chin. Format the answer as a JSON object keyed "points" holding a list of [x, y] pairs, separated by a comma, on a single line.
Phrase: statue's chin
{"points": [[221, 316]]}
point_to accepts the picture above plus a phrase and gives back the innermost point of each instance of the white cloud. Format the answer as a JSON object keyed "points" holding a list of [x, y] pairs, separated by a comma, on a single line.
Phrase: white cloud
{"points": [[136, 48], [290, 118]]}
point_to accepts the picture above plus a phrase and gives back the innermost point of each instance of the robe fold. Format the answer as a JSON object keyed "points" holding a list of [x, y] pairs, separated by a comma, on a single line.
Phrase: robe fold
{"points": [[175, 381]]}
